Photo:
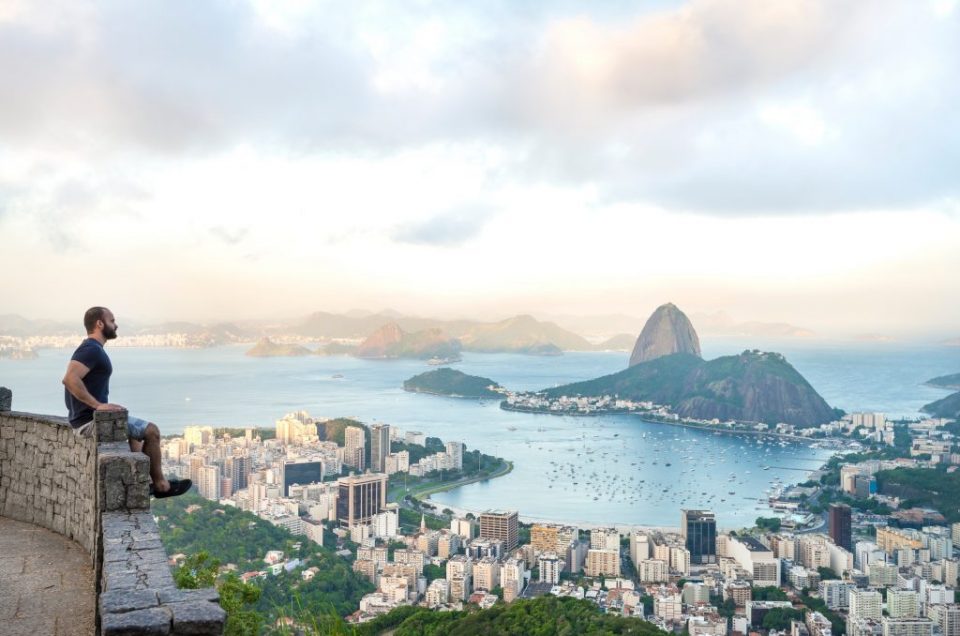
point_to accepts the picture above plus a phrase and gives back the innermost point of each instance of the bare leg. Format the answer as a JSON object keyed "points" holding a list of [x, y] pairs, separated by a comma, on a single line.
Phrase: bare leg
{"points": [[136, 445], [151, 448]]}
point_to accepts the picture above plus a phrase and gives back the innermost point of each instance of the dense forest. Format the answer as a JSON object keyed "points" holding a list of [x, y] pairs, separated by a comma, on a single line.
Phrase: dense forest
{"points": [[193, 525], [544, 616], [925, 487]]}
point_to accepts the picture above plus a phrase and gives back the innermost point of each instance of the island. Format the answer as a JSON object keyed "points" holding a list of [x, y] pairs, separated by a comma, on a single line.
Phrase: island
{"points": [[452, 383], [267, 348], [951, 382]]}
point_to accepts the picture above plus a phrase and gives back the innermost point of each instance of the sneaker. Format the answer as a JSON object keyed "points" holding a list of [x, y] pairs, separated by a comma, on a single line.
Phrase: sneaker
{"points": [[177, 487]]}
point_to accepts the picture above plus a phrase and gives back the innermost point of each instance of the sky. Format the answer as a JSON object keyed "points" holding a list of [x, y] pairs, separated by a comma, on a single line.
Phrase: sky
{"points": [[778, 160]]}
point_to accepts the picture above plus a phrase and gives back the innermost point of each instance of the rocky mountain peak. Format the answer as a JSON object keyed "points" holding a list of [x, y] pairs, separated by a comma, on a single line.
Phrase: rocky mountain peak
{"points": [[667, 331]]}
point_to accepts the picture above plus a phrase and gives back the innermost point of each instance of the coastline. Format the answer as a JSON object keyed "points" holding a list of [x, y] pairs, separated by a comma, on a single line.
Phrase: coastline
{"points": [[452, 395], [652, 419]]}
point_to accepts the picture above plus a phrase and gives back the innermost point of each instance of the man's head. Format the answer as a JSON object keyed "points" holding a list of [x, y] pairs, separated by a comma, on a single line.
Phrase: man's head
{"points": [[100, 320]]}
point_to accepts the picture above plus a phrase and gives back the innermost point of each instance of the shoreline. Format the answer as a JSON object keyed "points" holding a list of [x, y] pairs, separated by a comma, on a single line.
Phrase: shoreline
{"points": [[425, 493], [652, 419]]}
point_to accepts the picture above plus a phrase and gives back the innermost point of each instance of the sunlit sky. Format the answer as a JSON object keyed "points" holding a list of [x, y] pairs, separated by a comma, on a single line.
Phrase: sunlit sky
{"points": [[777, 160]]}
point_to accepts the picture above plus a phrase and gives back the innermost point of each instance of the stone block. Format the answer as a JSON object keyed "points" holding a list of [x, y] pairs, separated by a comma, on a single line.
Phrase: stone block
{"points": [[6, 399], [154, 621], [173, 595], [124, 481], [117, 601], [111, 426], [198, 617]]}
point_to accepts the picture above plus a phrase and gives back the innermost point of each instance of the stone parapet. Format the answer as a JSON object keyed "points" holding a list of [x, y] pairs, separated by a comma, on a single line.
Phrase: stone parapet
{"points": [[48, 476], [95, 491], [138, 592]]}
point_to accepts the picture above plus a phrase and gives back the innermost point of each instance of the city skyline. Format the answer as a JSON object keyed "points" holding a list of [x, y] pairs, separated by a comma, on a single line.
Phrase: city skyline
{"points": [[790, 163]]}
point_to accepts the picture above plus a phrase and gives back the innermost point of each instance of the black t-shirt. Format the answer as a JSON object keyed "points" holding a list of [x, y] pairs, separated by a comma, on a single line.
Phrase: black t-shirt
{"points": [[90, 354]]}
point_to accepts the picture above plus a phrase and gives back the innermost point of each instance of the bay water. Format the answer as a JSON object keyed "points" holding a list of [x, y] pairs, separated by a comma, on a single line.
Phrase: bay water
{"points": [[610, 469]]}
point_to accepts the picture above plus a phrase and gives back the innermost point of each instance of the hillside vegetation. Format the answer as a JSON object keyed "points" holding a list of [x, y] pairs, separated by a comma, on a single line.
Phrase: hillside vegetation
{"points": [[450, 382], [948, 407], [951, 381], [924, 487], [543, 616], [191, 525], [752, 387]]}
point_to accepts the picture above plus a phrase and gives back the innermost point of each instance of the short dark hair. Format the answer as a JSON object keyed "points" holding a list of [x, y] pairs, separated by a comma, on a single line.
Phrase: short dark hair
{"points": [[92, 316]]}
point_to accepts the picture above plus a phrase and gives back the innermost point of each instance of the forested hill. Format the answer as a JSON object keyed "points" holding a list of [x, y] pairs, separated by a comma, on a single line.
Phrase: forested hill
{"points": [[951, 381], [754, 386], [948, 407], [452, 383], [191, 524], [545, 616]]}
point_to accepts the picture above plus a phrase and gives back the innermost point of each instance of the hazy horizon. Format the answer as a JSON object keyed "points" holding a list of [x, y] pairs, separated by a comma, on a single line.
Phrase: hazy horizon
{"points": [[794, 162]]}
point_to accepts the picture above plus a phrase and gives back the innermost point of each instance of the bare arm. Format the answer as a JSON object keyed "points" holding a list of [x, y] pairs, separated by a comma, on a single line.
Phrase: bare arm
{"points": [[73, 380]]}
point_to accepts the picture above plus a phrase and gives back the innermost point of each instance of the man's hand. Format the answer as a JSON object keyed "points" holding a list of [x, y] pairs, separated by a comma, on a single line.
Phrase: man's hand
{"points": [[110, 407]]}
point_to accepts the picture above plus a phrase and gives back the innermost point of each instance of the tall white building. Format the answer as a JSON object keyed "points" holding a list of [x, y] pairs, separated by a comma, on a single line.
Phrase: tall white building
{"points": [[438, 593], [907, 626], [511, 579], [486, 574], [198, 435], [605, 539], [603, 563], [947, 616], [455, 452], [902, 603], [836, 593], [866, 604], [208, 482], [757, 559], [549, 565], [463, 527], [379, 447], [355, 447], [639, 547]]}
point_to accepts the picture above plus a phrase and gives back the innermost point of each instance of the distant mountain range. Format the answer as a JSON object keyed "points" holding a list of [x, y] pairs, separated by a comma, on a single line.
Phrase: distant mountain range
{"points": [[266, 348], [712, 324], [390, 341]]}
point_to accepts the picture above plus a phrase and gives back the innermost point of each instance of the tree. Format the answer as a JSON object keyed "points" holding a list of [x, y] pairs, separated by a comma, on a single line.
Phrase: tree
{"points": [[769, 523], [198, 570], [779, 618], [433, 572], [237, 599], [827, 574], [768, 594]]}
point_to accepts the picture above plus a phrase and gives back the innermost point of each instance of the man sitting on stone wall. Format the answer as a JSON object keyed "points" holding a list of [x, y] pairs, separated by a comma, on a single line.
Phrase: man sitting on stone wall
{"points": [[87, 383]]}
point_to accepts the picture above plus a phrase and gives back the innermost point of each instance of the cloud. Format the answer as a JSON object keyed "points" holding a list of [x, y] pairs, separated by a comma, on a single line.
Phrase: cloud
{"points": [[230, 236], [446, 230], [724, 107]]}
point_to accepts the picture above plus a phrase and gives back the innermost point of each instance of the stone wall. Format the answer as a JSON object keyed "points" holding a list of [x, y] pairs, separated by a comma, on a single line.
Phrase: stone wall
{"points": [[47, 476], [96, 491]]}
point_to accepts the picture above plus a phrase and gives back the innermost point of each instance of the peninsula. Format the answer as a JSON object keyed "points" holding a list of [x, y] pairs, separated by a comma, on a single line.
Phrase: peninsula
{"points": [[667, 374]]}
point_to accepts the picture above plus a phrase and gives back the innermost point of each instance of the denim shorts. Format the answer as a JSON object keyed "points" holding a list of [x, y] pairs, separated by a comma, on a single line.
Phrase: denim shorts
{"points": [[136, 428]]}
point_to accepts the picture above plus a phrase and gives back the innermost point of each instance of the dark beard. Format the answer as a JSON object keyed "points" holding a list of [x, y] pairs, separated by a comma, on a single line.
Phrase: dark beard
{"points": [[109, 333]]}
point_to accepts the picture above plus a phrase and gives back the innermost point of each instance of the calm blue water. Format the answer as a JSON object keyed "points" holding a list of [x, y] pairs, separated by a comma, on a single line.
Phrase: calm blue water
{"points": [[617, 462]]}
